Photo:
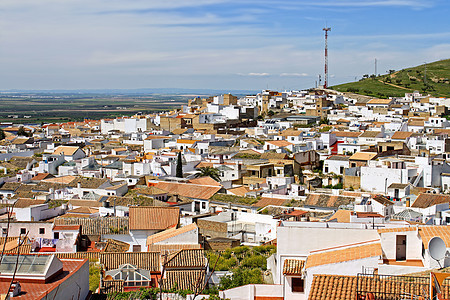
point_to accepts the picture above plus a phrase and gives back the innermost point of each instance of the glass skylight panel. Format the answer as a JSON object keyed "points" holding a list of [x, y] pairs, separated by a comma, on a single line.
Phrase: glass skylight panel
{"points": [[26, 264]]}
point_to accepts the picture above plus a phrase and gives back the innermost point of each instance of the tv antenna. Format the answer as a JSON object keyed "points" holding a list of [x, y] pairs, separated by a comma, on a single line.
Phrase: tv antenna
{"points": [[326, 29]]}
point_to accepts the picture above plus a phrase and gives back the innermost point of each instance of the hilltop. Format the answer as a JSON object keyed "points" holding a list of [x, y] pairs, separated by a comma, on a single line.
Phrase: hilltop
{"points": [[397, 83]]}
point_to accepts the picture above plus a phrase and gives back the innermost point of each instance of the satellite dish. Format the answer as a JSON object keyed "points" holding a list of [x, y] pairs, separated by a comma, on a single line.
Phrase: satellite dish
{"points": [[437, 248]]}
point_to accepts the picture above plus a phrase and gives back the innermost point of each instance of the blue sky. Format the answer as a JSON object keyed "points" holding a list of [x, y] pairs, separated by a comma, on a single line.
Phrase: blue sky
{"points": [[216, 44]]}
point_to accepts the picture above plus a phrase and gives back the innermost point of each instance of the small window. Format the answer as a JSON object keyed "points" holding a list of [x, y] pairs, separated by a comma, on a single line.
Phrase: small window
{"points": [[203, 205], [4, 231], [56, 235], [136, 248], [23, 231], [297, 285], [41, 230]]}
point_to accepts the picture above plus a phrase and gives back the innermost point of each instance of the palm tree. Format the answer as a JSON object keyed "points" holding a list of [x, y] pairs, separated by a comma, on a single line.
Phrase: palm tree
{"points": [[208, 171]]}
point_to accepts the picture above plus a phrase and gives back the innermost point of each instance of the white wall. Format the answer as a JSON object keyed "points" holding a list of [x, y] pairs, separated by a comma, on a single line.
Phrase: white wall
{"points": [[292, 240], [75, 286]]}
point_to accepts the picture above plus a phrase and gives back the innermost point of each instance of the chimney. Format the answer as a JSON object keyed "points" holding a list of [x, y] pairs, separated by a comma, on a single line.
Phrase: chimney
{"points": [[15, 289], [408, 202], [79, 185]]}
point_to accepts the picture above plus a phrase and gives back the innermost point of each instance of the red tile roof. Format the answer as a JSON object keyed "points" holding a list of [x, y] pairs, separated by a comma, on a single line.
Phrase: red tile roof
{"points": [[189, 189], [40, 290], [153, 218]]}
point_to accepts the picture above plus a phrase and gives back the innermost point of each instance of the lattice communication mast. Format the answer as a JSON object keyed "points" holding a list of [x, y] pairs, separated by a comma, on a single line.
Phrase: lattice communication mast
{"points": [[326, 29]]}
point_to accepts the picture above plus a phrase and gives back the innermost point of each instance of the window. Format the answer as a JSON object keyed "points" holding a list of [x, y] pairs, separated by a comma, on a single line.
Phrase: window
{"points": [[56, 235], [4, 231], [41, 230], [203, 205], [297, 285], [23, 231], [136, 248]]}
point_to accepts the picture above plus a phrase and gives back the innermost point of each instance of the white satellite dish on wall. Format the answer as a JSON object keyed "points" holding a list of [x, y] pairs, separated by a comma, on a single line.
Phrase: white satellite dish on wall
{"points": [[437, 248]]}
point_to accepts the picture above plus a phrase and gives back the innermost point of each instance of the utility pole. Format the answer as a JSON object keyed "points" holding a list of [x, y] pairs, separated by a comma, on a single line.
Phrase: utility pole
{"points": [[326, 29], [425, 79], [375, 67]]}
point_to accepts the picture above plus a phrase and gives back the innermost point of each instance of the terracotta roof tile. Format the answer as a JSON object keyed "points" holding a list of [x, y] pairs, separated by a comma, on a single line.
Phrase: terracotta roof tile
{"points": [[169, 233], [191, 258], [293, 266], [427, 232], [153, 218], [343, 255], [142, 260], [189, 189], [427, 200], [401, 135]]}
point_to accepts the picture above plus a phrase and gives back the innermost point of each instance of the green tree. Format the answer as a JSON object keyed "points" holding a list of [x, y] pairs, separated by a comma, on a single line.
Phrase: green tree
{"points": [[242, 277], [2, 134], [22, 132], [179, 173], [208, 171]]}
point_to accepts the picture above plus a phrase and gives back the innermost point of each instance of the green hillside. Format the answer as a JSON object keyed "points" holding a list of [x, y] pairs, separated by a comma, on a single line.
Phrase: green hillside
{"points": [[397, 83]]}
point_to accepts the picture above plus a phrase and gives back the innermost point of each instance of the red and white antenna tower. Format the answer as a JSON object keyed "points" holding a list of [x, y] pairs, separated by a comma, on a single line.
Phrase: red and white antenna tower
{"points": [[326, 29]]}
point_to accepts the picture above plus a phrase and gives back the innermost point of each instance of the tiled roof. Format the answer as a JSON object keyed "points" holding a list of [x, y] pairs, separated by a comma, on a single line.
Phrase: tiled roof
{"points": [[192, 258], [401, 135], [112, 286], [343, 255], [116, 246], [427, 232], [189, 189], [97, 226], [338, 157], [10, 186], [324, 200], [341, 216], [293, 266], [83, 210], [269, 201], [239, 191], [346, 133], [363, 156], [337, 287], [66, 150], [279, 143], [78, 255], [66, 227], [382, 200], [169, 233], [205, 181], [25, 202], [142, 260], [61, 180], [427, 200], [41, 176], [150, 191], [400, 186], [370, 134], [291, 132], [379, 101], [88, 183], [397, 229], [416, 122], [184, 280], [153, 218], [172, 247], [271, 155]]}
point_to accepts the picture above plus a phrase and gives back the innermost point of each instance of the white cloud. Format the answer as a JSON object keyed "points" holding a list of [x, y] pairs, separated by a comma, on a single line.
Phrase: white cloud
{"points": [[294, 74], [254, 74]]}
